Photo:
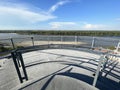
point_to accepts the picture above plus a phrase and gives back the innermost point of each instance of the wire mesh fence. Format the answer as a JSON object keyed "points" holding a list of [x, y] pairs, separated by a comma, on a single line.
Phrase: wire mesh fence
{"points": [[106, 42], [78, 41]]}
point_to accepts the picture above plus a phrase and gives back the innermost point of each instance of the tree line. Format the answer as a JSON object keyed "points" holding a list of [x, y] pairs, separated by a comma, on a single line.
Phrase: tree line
{"points": [[61, 32]]}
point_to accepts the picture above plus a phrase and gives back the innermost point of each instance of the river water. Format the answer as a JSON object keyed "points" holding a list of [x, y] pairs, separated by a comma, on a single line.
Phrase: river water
{"points": [[11, 35], [99, 41]]}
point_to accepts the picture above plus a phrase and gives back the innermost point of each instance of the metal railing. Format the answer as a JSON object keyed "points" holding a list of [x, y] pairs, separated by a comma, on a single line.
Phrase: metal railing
{"points": [[43, 42], [6, 45], [19, 62], [102, 63]]}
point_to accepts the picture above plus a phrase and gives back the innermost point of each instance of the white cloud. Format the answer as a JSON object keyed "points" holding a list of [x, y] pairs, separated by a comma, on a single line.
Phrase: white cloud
{"points": [[93, 26], [55, 6], [57, 25], [13, 13], [15, 16]]}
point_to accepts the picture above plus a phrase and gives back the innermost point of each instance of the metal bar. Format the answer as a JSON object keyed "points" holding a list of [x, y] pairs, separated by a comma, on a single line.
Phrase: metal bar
{"points": [[16, 66], [98, 69], [61, 41], [118, 46], [18, 60], [32, 41], [105, 62], [12, 43], [23, 65], [61, 38], [93, 42], [76, 38], [48, 39]]}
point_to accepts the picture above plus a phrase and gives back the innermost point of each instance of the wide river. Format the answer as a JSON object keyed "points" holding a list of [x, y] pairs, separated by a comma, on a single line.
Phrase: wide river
{"points": [[11, 35], [105, 41]]}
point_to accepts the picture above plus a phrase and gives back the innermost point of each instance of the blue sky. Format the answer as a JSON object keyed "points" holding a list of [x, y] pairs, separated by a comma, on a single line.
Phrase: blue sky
{"points": [[60, 14]]}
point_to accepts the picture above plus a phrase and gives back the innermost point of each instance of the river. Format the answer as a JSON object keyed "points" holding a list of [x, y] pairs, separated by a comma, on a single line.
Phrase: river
{"points": [[99, 41], [12, 35]]}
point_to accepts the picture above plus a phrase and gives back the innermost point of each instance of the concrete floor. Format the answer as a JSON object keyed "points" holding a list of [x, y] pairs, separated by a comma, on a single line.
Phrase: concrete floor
{"points": [[8, 75], [60, 69]]}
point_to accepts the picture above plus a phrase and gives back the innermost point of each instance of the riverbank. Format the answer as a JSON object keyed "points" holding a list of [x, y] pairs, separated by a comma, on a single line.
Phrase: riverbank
{"points": [[29, 43]]}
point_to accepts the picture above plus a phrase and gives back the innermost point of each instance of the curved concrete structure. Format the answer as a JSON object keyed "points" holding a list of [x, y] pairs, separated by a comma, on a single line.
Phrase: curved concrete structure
{"points": [[67, 83], [67, 69], [58, 82]]}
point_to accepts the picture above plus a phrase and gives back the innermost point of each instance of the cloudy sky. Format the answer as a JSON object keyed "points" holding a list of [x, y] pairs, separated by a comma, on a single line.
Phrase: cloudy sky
{"points": [[60, 14]]}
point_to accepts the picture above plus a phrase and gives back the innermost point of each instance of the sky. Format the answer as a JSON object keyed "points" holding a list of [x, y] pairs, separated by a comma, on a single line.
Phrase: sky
{"points": [[59, 14]]}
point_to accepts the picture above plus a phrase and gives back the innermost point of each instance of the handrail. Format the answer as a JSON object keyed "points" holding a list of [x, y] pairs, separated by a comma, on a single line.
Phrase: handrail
{"points": [[91, 43]]}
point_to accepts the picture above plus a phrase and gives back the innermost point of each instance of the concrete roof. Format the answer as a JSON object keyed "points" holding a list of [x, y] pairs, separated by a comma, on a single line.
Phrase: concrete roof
{"points": [[61, 69]]}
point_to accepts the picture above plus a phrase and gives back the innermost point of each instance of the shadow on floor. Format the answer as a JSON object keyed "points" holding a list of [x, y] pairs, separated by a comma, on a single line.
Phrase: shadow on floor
{"points": [[102, 83]]}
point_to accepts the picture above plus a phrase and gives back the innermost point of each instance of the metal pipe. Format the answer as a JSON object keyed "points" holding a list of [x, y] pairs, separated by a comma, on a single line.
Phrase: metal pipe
{"points": [[32, 41], [93, 42], [118, 46], [23, 65], [16, 66], [76, 38], [98, 69], [12, 43]]}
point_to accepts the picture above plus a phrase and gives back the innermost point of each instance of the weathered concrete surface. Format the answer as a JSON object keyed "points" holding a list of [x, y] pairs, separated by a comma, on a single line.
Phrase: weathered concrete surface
{"points": [[67, 83], [64, 69], [8, 75]]}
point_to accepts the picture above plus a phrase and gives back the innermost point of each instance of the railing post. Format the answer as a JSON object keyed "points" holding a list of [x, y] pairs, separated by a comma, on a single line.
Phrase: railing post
{"points": [[118, 46], [48, 39], [12, 43], [32, 41], [16, 66], [97, 71], [18, 60], [93, 42], [61, 38], [76, 38], [105, 62], [61, 41], [23, 65], [15, 55]]}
